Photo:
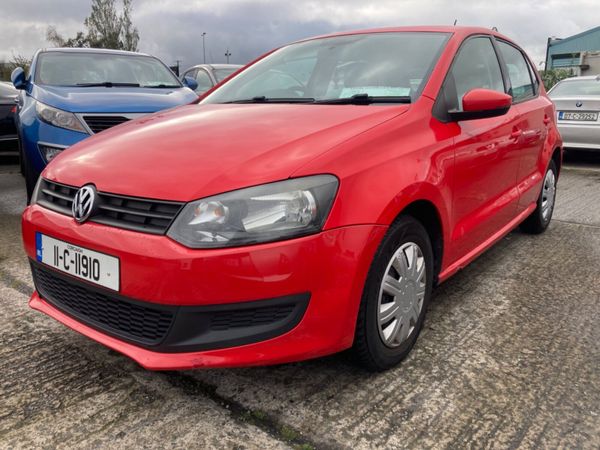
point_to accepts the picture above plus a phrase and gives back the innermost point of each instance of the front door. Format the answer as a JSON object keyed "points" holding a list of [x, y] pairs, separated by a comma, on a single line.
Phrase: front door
{"points": [[486, 152]]}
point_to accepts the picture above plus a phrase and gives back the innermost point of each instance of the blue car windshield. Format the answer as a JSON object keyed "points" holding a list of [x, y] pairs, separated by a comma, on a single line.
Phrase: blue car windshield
{"points": [[386, 65], [102, 69]]}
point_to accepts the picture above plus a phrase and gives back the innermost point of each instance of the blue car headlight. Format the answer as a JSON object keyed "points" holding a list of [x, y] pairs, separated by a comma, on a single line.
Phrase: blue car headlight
{"points": [[265, 213], [58, 117]]}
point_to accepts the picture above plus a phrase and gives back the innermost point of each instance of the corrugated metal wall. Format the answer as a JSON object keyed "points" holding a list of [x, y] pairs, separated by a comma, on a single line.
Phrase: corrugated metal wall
{"points": [[566, 52]]}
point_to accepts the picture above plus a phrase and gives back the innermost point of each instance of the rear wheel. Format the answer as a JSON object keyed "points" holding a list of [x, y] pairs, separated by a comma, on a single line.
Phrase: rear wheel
{"points": [[395, 297], [540, 218]]}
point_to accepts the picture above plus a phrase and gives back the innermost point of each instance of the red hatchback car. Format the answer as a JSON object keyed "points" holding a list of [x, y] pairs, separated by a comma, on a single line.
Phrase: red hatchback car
{"points": [[307, 205]]}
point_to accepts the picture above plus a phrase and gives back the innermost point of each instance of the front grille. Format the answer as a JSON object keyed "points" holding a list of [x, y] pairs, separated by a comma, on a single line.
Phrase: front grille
{"points": [[131, 213], [250, 317], [101, 123], [138, 323]]}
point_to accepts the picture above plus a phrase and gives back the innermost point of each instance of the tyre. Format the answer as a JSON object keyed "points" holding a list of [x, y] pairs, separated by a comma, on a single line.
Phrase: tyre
{"points": [[31, 176], [21, 157], [395, 296], [540, 218]]}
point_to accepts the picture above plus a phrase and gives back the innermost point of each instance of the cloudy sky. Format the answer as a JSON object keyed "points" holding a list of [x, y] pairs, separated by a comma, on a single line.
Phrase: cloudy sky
{"points": [[172, 29]]}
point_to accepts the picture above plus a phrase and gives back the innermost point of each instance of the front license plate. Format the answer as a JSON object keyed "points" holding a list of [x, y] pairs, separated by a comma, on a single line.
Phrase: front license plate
{"points": [[95, 267], [581, 116]]}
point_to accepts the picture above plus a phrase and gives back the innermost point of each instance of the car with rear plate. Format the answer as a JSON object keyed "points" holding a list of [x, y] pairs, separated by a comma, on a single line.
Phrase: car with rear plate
{"points": [[577, 102]]}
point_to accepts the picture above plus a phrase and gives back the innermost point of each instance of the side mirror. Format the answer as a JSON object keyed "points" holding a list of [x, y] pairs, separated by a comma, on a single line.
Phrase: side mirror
{"points": [[190, 82], [481, 104], [18, 78]]}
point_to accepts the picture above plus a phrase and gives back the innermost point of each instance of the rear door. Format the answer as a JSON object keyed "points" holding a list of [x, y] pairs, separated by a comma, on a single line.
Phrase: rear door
{"points": [[535, 113], [486, 151]]}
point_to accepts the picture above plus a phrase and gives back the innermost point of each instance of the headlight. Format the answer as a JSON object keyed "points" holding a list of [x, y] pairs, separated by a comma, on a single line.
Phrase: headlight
{"points": [[265, 213], [58, 117]]}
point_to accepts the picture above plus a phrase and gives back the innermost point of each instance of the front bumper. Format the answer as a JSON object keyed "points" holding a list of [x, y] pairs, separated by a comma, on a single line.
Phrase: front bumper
{"points": [[331, 267]]}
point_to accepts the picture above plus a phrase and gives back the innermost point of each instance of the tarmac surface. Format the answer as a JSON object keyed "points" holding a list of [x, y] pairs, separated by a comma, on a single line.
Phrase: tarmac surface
{"points": [[509, 357]]}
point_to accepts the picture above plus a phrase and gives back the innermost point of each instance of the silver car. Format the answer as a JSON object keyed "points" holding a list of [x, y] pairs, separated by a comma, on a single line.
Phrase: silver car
{"points": [[208, 75], [577, 102]]}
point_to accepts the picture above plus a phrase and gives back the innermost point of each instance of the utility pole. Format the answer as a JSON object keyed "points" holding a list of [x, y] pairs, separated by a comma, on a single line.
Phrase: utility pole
{"points": [[227, 55], [204, 46]]}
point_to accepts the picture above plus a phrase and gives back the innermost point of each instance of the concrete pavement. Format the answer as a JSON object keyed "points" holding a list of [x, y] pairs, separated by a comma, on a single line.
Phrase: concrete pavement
{"points": [[509, 357]]}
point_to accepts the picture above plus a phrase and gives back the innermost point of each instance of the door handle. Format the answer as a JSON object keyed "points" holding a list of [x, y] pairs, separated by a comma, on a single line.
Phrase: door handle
{"points": [[546, 120], [516, 134]]}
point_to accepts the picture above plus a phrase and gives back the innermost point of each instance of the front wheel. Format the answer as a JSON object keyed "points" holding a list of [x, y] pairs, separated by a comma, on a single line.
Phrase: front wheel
{"points": [[395, 297], [540, 218]]}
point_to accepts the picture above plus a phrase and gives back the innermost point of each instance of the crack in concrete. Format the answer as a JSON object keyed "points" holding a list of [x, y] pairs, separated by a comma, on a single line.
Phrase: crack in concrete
{"points": [[568, 222], [266, 422], [12, 282]]}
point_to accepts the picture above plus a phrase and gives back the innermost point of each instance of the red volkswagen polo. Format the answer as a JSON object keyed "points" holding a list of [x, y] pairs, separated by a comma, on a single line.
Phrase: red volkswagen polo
{"points": [[306, 206]]}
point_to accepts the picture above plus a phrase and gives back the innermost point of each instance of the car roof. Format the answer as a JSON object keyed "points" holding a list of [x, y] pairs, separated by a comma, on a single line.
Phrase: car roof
{"points": [[216, 66], [460, 31], [91, 50]]}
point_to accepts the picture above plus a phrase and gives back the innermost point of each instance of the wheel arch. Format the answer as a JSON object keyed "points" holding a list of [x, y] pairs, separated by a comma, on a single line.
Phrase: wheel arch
{"points": [[428, 215], [557, 158]]}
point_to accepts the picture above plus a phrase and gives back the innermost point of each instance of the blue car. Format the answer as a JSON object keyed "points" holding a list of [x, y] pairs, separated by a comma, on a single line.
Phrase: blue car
{"points": [[72, 93]]}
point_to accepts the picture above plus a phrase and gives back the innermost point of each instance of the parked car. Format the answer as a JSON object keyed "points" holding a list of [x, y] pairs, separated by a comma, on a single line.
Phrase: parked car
{"points": [[307, 205], [577, 103], [8, 132], [72, 93], [209, 75]]}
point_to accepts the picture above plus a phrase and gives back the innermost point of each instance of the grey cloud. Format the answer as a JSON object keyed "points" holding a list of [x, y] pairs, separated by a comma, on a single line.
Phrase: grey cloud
{"points": [[172, 29]]}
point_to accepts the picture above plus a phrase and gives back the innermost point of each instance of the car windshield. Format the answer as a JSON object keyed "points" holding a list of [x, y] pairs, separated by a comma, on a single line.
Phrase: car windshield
{"points": [[221, 74], [383, 65], [576, 88], [102, 69]]}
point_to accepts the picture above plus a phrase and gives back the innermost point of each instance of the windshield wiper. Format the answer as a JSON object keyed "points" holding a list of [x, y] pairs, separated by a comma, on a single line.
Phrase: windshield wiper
{"points": [[161, 86], [263, 99], [365, 99], [108, 84]]}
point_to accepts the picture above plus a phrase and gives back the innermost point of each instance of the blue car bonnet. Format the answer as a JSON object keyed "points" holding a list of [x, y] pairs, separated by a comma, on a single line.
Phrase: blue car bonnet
{"points": [[112, 99]]}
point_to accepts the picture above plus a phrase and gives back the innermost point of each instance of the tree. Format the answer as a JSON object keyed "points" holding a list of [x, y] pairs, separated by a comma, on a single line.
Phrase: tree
{"points": [[105, 28], [552, 76]]}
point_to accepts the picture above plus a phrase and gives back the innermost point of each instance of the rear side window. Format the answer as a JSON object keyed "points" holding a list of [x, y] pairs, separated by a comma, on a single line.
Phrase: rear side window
{"points": [[476, 66], [522, 87]]}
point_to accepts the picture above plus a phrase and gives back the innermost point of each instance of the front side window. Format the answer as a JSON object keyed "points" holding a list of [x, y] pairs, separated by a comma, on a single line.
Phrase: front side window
{"points": [[204, 81], [476, 66], [376, 64], [191, 73], [89, 69], [522, 87]]}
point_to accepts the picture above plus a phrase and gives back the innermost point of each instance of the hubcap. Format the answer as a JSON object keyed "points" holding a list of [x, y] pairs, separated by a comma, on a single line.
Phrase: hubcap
{"points": [[401, 295], [548, 195]]}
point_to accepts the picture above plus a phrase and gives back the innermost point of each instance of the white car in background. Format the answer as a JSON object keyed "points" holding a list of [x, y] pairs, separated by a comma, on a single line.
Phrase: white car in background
{"points": [[209, 75], [577, 102]]}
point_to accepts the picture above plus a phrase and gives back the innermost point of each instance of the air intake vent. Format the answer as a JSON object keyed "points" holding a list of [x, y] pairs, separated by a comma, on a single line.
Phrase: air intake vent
{"points": [[101, 123], [133, 321]]}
